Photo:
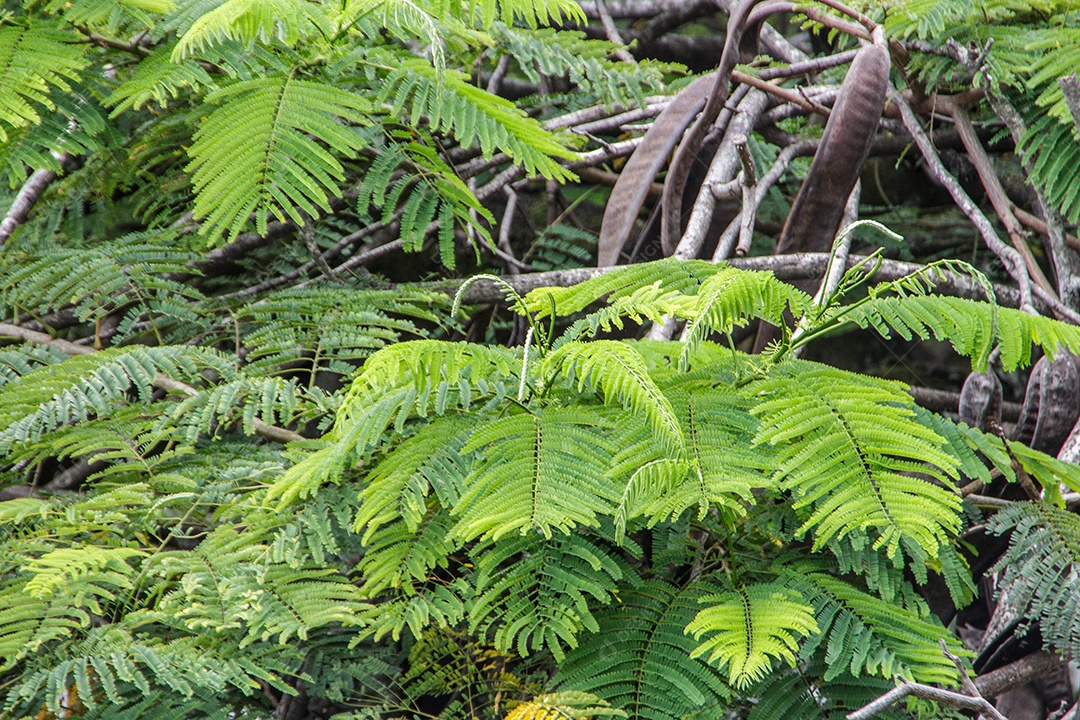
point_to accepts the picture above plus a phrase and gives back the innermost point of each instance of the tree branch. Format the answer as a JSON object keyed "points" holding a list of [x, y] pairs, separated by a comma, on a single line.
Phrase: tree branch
{"points": [[1009, 256], [797, 266], [28, 196]]}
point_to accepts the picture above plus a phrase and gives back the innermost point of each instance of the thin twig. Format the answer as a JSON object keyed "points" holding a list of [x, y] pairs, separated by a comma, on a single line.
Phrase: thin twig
{"points": [[800, 148], [613, 33], [749, 181], [497, 77], [1009, 256], [994, 191]]}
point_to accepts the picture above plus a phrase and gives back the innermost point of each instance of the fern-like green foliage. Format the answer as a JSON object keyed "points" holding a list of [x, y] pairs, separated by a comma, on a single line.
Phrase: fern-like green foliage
{"points": [[93, 385], [272, 147], [583, 526], [618, 372], [973, 328], [1039, 569], [748, 627], [411, 174], [247, 20], [640, 658], [849, 450], [553, 52], [536, 472], [864, 635], [329, 329], [129, 276], [35, 58], [160, 79], [533, 594], [717, 469], [450, 103]]}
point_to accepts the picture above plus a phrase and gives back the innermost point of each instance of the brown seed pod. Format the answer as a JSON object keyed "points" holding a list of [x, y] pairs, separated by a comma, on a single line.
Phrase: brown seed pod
{"points": [[980, 401], [641, 169], [1059, 404], [818, 209]]}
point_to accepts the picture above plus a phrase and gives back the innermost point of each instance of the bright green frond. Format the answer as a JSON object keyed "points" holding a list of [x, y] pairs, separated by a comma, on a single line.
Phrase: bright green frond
{"points": [[719, 468], [109, 12], [747, 628], [648, 303], [618, 372], [160, 79], [450, 103], [849, 448], [972, 327], [732, 298], [640, 658], [33, 60], [537, 471], [64, 568], [399, 486], [684, 276], [431, 370], [249, 20], [272, 146]]}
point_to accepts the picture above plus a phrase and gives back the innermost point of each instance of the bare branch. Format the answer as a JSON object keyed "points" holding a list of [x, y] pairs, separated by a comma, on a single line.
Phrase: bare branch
{"points": [[994, 190], [1026, 668], [612, 32], [797, 266], [749, 181], [28, 196], [1009, 256], [1070, 86]]}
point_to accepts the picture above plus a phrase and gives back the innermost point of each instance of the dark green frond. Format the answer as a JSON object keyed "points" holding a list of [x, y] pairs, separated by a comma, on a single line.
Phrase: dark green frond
{"points": [[93, 385], [639, 659], [863, 634], [1040, 580], [534, 593]]}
